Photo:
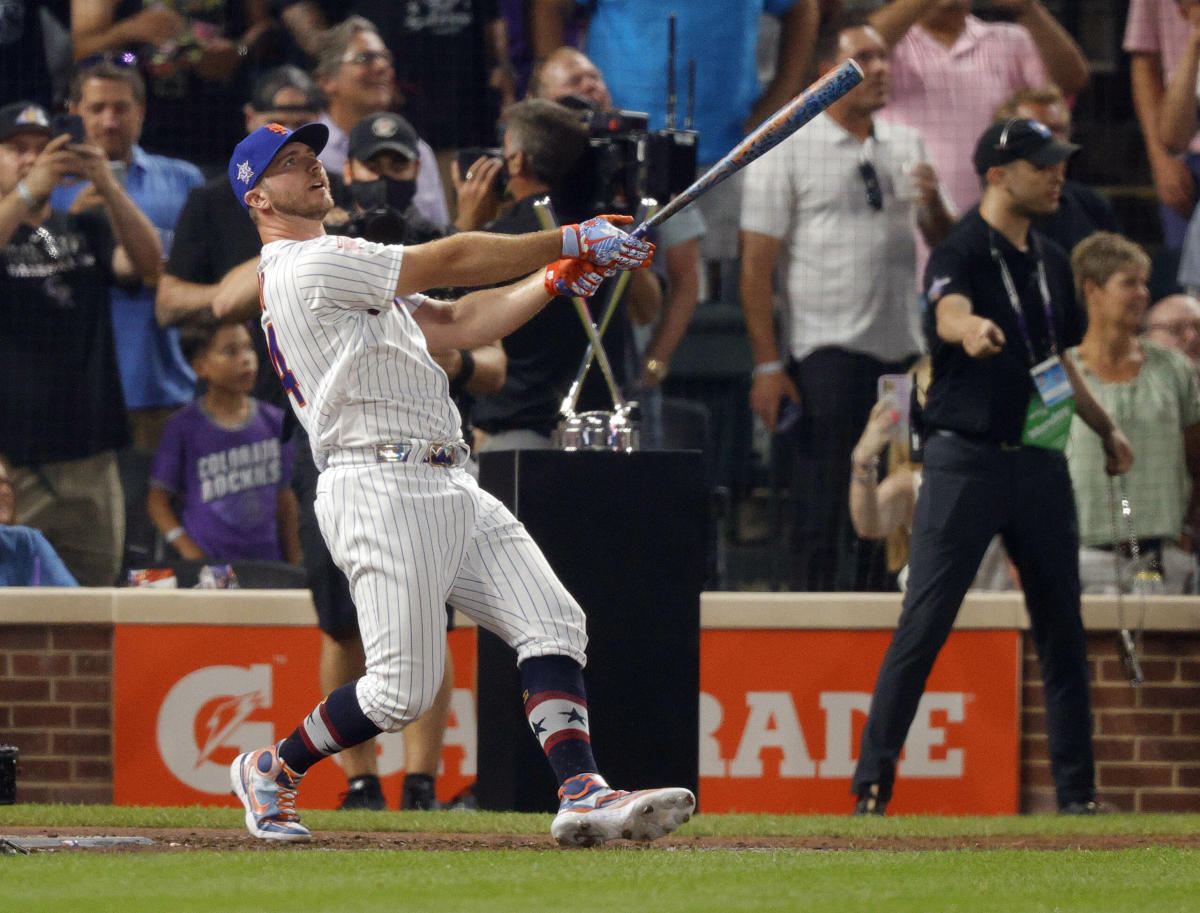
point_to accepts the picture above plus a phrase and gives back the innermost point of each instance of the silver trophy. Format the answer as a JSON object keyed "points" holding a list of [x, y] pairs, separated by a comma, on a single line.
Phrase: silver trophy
{"points": [[596, 430]]}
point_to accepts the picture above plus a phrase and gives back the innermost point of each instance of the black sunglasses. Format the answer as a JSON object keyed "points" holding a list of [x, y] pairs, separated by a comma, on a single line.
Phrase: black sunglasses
{"points": [[871, 179], [116, 58]]}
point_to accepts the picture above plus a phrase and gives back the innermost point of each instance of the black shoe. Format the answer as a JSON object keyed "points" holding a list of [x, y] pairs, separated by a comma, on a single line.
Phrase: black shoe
{"points": [[465, 801], [418, 793], [363, 793], [1082, 808], [869, 802]]}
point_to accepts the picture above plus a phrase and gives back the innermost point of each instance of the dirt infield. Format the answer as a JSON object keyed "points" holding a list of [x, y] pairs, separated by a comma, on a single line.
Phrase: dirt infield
{"points": [[178, 840]]}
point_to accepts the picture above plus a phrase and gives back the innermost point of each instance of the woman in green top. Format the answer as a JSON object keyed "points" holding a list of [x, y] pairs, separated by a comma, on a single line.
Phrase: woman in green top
{"points": [[1153, 394]]}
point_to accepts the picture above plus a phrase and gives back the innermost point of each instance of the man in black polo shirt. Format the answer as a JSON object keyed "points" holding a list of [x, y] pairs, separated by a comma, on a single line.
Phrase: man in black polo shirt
{"points": [[1001, 312]]}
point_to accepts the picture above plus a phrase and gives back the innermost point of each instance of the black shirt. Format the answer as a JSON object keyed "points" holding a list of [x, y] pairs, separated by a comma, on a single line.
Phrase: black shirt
{"points": [[24, 73], [544, 354], [988, 397], [58, 362], [1081, 212]]}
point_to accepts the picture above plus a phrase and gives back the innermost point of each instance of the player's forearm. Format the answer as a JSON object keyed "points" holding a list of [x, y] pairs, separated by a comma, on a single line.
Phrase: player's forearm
{"points": [[480, 317], [477, 258]]}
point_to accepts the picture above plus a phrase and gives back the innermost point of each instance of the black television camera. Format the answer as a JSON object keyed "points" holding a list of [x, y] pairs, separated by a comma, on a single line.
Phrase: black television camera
{"points": [[627, 161]]}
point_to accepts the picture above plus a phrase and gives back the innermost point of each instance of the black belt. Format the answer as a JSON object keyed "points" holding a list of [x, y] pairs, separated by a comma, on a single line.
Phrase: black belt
{"points": [[981, 439]]}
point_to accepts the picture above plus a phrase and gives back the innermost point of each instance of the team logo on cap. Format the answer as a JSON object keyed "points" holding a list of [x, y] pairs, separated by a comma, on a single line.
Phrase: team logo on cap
{"points": [[385, 127], [32, 114], [1041, 129], [245, 172]]}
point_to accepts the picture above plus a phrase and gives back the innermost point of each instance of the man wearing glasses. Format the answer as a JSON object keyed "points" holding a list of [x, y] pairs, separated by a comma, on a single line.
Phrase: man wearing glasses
{"points": [[356, 74], [1174, 322], [844, 197]]}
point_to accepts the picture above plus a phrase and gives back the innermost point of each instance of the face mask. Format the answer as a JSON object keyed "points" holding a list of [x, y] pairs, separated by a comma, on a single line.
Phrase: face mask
{"points": [[383, 193]]}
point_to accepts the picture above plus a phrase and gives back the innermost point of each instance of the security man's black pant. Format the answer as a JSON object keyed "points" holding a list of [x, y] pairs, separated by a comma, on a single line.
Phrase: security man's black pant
{"points": [[972, 490]]}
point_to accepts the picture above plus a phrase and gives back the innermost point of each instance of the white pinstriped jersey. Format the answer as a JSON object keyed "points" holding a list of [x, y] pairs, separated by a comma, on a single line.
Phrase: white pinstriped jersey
{"points": [[354, 364]]}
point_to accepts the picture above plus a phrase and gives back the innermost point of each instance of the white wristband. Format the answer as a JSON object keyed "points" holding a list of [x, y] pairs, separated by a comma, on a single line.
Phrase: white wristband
{"points": [[767, 367], [570, 241], [25, 194], [172, 534]]}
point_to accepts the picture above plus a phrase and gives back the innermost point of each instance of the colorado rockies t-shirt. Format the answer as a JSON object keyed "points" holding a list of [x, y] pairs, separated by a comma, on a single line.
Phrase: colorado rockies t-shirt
{"points": [[58, 361], [227, 480]]}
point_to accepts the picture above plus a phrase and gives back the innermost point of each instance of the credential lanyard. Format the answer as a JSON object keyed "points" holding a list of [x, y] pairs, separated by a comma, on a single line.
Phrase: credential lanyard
{"points": [[1015, 300]]}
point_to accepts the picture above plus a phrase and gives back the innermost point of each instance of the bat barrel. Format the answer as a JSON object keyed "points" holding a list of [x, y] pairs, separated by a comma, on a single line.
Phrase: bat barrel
{"points": [[778, 127]]}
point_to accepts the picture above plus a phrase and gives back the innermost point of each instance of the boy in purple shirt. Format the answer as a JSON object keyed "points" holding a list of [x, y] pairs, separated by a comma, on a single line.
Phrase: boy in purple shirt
{"points": [[221, 462]]}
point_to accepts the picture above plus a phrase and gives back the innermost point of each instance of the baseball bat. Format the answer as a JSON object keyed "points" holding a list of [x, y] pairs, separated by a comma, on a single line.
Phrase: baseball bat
{"points": [[773, 131], [545, 215]]}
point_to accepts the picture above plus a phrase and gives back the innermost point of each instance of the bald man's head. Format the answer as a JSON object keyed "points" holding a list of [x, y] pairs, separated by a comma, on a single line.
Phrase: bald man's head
{"points": [[1175, 322]]}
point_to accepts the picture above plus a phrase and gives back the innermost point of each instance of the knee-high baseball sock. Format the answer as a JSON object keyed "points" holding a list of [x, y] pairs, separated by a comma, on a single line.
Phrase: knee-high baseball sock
{"points": [[556, 706], [337, 723]]}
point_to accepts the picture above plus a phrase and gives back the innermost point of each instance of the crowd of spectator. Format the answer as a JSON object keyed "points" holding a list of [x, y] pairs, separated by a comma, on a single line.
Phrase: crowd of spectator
{"points": [[822, 244]]}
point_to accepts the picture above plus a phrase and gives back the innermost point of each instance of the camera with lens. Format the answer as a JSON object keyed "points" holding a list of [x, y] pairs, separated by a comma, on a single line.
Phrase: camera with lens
{"points": [[468, 157], [627, 161]]}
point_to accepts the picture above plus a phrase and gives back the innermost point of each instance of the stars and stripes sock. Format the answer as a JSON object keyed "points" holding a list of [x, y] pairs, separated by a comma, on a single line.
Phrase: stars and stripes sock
{"points": [[556, 706], [337, 723]]}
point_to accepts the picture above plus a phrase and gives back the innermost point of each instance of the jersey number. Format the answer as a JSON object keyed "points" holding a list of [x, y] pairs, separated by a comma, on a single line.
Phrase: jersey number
{"points": [[286, 377]]}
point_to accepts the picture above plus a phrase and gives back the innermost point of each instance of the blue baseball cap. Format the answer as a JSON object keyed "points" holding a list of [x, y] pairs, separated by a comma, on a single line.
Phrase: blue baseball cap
{"points": [[253, 154]]}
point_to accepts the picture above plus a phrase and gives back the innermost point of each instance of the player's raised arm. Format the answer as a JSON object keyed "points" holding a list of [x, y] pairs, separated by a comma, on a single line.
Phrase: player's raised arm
{"points": [[479, 258], [488, 314]]}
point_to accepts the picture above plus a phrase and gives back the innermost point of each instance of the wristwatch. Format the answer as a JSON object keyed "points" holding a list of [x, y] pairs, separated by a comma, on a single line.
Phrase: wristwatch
{"points": [[657, 368]]}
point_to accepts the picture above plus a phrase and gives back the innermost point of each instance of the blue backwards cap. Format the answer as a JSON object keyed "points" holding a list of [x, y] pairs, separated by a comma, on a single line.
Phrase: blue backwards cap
{"points": [[253, 154]]}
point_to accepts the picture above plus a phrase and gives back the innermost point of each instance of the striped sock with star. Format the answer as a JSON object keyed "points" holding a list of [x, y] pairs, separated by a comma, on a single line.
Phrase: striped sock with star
{"points": [[556, 707]]}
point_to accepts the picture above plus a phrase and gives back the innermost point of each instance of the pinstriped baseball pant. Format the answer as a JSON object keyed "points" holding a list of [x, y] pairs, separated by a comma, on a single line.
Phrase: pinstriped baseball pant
{"points": [[411, 538]]}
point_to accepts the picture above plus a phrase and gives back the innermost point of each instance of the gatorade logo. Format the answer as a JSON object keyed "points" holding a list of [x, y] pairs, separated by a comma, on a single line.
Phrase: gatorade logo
{"points": [[205, 721]]}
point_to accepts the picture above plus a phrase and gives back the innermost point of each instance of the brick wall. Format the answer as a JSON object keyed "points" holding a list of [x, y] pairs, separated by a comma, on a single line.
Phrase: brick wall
{"points": [[55, 706], [1147, 739], [56, 692]]}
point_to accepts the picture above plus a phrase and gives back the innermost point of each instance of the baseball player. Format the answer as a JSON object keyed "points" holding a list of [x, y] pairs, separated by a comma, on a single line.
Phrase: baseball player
{"points": [[350, 335]]}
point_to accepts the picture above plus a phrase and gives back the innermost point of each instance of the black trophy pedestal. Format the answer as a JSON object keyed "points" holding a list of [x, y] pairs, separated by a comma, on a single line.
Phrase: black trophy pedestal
{"points": [[626, 533]]}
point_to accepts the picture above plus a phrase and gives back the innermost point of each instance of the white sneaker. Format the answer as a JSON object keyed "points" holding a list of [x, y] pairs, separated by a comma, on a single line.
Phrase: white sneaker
{"points": [[267, 788], [592, 812]]}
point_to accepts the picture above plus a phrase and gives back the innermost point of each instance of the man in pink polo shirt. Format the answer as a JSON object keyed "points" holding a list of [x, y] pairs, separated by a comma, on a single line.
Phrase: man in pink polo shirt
{"points": [[950, 70], [1156, 34]]}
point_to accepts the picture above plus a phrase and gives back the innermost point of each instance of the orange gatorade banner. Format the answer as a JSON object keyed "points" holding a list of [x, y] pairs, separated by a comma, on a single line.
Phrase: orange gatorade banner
{"points": [[188, 699], [781, 716]]}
